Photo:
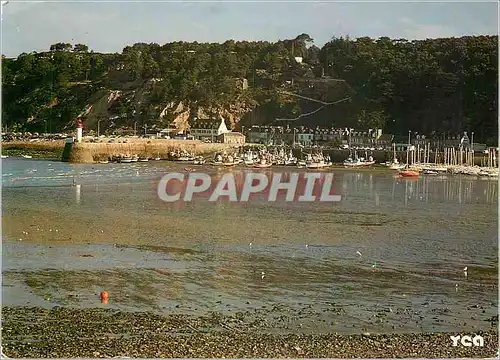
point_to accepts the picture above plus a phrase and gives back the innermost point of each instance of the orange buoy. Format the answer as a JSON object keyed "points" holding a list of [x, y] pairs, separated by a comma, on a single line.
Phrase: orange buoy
{"points": [[104, 295]]}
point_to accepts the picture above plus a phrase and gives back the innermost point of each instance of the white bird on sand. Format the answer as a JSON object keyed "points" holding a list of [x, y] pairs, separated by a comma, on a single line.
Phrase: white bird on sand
{"points": [[357, 252], [263, 274], [465, 271]]}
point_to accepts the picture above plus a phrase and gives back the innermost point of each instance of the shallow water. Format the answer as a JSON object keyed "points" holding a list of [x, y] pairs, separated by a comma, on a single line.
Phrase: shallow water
{"points": [[63, 244]]}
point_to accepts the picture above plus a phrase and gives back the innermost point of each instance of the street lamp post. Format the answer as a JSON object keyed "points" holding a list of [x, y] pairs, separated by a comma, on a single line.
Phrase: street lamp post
{"points": [[98, 127], [135, 128]]}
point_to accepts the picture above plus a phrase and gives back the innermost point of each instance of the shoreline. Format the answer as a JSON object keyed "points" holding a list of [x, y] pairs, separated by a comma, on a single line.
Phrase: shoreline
{"points": [[63, 332], [87, 152]]}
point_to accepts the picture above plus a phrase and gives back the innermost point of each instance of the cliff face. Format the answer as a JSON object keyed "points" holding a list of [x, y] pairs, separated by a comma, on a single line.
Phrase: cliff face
{"points": [[123, 108]]}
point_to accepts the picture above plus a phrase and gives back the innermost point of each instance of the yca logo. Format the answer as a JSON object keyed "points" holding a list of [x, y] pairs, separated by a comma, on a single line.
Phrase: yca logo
{"points": [[468, 340]]}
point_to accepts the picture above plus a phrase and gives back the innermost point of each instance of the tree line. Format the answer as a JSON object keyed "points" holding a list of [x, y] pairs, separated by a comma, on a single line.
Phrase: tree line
{"points": [[435, 86]]}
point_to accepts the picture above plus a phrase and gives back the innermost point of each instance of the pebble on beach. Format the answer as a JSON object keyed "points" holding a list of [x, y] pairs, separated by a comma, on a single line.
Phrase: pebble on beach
{"points": [[62, 332]]}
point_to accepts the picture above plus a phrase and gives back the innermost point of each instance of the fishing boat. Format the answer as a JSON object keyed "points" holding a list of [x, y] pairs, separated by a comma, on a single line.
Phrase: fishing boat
{"points": [[4, 156], [200, 160], [409, 173], [262, 163], [135, 158], [182, 156], [27, 156], [358, 162], [143, 159], [317, 165], [290, 160], [316, 162], [125, 159], [103, 161]]}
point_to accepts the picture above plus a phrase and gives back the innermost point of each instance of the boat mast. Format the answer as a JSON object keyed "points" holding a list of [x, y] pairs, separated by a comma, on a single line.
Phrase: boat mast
{"points": [[408, 149]]}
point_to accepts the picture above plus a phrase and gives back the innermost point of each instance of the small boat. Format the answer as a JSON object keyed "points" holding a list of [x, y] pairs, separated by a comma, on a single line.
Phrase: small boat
{"points": [[104, 162], [351, 163], [27, 156], [395, 164], [486, 173], [184, 158], [143, 159], [262, 163], [125, 159], [291, 161], [5, 156], [135, 158], [199, 161], [357, 161], [317, 165], [157, 158], [230, 163], [429, 172], [409, 173], [238, 160]]}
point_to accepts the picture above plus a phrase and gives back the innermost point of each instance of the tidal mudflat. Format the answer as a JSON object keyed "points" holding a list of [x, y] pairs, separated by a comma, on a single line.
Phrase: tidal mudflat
{"points": [[387, 260]]}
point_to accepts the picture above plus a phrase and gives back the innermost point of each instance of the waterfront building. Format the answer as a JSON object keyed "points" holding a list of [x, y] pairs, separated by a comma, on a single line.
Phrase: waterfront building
{"points": [[231, 137], [208, 129]]}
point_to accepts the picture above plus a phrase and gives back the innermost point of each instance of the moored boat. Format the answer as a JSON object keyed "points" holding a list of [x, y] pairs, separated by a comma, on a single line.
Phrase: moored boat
{"points": [[358, 162], [262, 163], [125, 159], [200, 160], [409, 173], [429, 172]]}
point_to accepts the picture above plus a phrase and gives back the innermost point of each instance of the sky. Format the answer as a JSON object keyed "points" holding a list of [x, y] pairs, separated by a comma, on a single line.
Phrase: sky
{"points": [[110, 26]]}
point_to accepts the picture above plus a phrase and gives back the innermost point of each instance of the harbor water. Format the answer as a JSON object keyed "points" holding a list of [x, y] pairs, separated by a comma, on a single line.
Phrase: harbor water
{"points": [[389, 257]]}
